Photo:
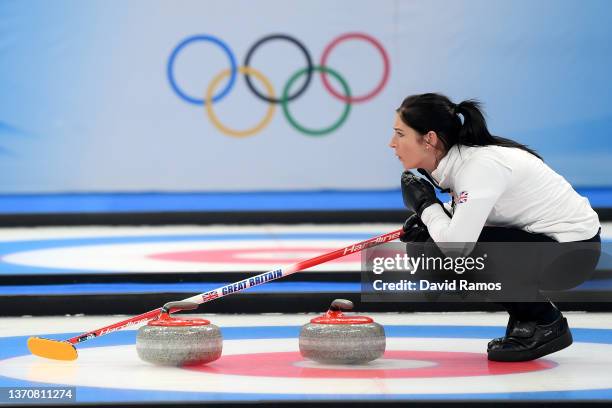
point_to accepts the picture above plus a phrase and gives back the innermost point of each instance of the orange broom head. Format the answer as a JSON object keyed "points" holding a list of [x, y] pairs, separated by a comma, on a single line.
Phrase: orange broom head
{"points": [[54, 349]]}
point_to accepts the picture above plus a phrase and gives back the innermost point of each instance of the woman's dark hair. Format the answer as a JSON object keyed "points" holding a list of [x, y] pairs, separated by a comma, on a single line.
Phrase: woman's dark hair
{"points": [[435, 112]]}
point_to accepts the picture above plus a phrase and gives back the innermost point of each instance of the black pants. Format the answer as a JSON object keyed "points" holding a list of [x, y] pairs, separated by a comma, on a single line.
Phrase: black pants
{"points": [[561, 266]]}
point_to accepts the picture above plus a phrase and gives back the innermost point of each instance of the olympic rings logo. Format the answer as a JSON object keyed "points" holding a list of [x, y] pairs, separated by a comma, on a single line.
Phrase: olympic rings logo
{"points": [[212, 94]]}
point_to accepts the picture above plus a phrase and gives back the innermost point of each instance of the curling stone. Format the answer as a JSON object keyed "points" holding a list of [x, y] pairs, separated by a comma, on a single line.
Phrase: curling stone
{"points": [[172, 341], [335, 338]]}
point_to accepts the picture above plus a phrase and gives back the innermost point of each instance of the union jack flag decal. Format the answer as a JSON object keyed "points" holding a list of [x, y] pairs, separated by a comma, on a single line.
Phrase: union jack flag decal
{"points": [[462, 197], [208, 296]]}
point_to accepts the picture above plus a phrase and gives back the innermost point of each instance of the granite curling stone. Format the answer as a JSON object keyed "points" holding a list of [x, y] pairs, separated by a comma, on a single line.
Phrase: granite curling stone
{"points": [[172, 341], [335, 338]]}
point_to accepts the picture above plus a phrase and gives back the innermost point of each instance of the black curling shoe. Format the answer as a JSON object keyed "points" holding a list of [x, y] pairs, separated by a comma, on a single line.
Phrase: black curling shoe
{"points": [[511, 322], [527, 341]]}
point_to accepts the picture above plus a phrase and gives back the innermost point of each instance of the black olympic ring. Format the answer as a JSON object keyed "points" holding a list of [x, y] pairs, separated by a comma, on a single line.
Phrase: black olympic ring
{"points": [[309, 66]]}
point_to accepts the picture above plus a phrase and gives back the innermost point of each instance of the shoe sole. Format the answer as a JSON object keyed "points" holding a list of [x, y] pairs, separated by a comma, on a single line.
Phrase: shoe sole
{"points": [[561, 342]]}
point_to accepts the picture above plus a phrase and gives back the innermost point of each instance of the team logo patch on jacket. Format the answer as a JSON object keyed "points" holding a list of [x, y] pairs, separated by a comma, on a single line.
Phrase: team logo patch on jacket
{"points": [[462, 197]]}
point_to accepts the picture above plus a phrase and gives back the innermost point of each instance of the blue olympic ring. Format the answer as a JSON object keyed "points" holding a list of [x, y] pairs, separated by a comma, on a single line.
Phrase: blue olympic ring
{"points": [[223, 46]]}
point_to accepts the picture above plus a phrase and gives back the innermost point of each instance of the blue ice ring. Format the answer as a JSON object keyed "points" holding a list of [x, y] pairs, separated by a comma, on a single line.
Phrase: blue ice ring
{"points": [[216, 41]]}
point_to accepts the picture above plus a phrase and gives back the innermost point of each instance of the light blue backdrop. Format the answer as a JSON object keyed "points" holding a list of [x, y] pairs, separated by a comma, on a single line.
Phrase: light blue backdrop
{"points": [[86, 104]]}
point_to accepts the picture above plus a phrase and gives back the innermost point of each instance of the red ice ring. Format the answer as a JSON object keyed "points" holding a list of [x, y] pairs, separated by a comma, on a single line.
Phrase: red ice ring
{"points": [[233, 255], [446, 364], [386, 67]]}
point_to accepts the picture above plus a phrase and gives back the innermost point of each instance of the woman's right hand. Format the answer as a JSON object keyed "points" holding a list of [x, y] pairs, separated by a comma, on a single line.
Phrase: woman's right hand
{"points": [[414, 230]]}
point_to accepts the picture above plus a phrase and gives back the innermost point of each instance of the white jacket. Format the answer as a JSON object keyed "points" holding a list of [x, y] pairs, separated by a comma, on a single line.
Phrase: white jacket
{"points": [[507, 187]]}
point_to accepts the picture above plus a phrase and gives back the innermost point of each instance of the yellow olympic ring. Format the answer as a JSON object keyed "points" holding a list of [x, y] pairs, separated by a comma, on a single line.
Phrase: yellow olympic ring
{"points": [[213, 118]]}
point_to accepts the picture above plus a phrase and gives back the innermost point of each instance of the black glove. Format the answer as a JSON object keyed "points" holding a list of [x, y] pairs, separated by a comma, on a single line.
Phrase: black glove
{"points": [[418, 193], [414, 230]]}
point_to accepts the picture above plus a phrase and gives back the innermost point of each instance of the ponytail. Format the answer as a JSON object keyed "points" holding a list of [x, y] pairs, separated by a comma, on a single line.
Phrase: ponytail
{"points": [[474, 131], [435, 112]]}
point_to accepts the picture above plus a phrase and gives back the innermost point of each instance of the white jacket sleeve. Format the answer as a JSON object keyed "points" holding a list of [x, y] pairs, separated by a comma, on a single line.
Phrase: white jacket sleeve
{"points": [[478, 186], [449, 206]]}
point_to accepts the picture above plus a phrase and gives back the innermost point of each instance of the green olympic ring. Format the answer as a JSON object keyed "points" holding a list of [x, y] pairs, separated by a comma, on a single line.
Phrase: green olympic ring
{"points": [[333, 126]]}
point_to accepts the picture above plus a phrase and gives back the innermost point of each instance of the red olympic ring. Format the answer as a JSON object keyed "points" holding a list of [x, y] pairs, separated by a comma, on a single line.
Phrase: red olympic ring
{"points": [[386, 67]]}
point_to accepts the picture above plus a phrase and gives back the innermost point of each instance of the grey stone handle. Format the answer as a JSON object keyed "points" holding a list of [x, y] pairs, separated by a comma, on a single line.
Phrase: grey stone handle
{"points": [[179, 305], [341, 304]]}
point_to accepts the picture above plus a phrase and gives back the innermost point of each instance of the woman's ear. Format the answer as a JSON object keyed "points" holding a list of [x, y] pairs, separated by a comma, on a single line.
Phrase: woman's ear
{"points": [[431, 138]]}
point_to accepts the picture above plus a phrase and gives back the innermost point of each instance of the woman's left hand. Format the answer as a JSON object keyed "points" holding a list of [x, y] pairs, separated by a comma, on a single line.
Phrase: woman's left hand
{"points": [[418, 193]]}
